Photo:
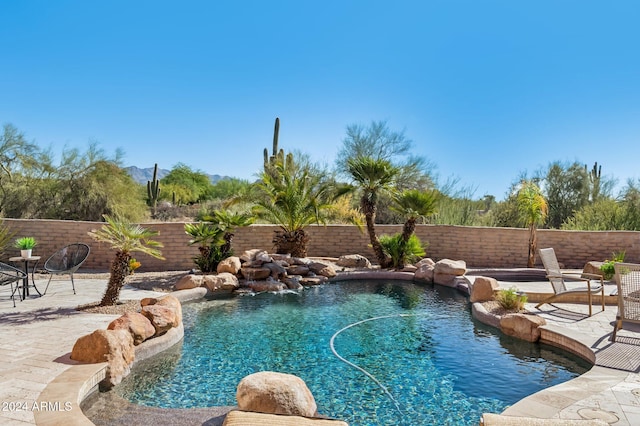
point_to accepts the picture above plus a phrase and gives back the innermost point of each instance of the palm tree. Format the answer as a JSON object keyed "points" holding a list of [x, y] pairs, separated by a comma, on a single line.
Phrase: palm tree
{"points": [[373, 176], [413, 204], [292, 198], [214, 236], [533, 209], [125, 238]]}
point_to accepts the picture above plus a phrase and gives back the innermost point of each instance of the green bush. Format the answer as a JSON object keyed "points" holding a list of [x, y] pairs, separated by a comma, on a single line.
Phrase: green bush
{"points": [[511, 300], [392, 246], [607, 268]]}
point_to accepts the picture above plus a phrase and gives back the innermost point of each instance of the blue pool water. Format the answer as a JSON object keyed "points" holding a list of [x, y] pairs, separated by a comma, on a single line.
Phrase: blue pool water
{"points": [[432, 363]]}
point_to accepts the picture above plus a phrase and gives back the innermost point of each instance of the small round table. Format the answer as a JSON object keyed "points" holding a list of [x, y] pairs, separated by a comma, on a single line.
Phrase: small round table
{"points": [[25, 282]]}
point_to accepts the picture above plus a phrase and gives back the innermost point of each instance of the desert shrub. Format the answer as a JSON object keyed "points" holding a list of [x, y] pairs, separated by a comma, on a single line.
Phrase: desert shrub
{"points": [[511, 300], [392, 246], [607, 268]]}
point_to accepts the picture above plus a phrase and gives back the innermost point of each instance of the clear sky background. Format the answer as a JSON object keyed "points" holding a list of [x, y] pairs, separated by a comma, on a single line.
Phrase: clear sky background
{"points": [[485, 89]]}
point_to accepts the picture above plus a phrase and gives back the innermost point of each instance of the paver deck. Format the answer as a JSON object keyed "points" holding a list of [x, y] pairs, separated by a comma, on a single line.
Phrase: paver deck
{"points": [[37, 335]]}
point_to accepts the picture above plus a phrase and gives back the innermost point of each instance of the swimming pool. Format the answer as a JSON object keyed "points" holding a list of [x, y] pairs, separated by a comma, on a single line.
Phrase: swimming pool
{"points": [[421, 357]]}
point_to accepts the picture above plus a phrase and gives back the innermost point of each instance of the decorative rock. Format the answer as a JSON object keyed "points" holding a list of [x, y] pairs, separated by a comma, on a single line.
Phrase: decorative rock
{"points": [[112, 346], [522, 326], [409, 268], [136, 324], [426, 261], [322, 268], [230, 264], [425, 270], [451, 267], [224, 282], [263, 257], [313, 280], [483, 289], [275, 393], [188, 281], [255, 273], [282, 257], [163, 318], [292, 283], [446, 270], [353, 261], [277, 271], [260, 286], [249, 255], [297, 270], [593, 268]]}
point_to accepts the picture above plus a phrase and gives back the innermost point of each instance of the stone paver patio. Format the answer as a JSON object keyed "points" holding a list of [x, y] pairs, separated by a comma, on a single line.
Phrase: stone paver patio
{"points": [[37, 336]]}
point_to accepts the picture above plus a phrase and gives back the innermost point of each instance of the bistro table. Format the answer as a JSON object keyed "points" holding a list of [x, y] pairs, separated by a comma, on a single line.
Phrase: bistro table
{"points": [[25, 281]]}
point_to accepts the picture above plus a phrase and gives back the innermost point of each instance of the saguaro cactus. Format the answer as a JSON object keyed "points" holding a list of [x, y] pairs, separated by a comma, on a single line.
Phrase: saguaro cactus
{"points": [[277, 155], [594, 180], [270, 160], [153, 188]]}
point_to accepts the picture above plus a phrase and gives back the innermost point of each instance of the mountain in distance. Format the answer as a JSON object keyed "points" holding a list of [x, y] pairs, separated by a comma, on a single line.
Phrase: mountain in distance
{"points": [[144, 175]]}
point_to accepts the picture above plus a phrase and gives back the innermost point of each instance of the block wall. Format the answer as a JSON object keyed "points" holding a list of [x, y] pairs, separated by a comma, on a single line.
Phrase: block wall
{"points": [[478, 246]]}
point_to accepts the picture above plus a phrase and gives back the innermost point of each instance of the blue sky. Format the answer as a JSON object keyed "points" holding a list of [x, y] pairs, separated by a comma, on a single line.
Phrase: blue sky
{"points": [[485, 89]]}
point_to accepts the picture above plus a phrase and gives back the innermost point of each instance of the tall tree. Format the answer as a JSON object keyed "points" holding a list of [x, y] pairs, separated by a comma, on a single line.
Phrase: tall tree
{"points": [[378, 142], [533, 210], [372, 176]]}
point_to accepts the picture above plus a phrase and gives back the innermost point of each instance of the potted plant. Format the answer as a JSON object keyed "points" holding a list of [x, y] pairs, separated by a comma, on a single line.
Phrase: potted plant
{"points": [[25, 244]]}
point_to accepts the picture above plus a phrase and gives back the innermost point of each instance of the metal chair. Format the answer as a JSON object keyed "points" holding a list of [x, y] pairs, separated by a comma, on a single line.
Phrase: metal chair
{"points": [[557, 279], [10, 275], [67, 260], [628, 281]]}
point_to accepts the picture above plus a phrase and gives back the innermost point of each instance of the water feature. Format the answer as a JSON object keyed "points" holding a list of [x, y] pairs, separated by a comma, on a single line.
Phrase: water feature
{"points": [[372, 353]]}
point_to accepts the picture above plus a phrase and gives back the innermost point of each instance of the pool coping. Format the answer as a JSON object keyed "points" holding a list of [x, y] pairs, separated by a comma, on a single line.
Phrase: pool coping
{"points": [[77, 382]]}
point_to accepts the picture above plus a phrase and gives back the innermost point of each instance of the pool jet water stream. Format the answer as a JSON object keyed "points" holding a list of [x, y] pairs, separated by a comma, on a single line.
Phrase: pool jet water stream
{"points": [[365, 372]]}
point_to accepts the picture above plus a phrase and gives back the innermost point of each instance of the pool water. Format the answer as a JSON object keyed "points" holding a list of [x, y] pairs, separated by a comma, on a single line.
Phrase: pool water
{"points": [[427, 361]]}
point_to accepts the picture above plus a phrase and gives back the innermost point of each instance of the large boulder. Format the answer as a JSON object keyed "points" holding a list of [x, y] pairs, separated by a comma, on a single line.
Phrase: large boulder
{"points": [[483, 289], [162, 317], [263, 257], [230, 264], [322, 268], [188, 282], [270, 285], [249, 255], [424, 271], [297, 270], [353, 261], [252, 273], [135, 323], [277, 271], [593, 268], [223, 282], [445, 271], [112, 346], [275, 393], [522, 326]]}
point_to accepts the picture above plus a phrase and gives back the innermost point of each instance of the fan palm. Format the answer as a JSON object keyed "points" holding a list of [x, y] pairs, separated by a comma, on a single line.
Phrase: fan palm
{"points": [[125, 238], [293, 199], [372, 176], [413, 204], [533, 209]]}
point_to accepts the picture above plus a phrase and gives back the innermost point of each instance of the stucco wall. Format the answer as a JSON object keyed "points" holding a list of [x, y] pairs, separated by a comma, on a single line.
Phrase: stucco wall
{"points": [[478, 246]]}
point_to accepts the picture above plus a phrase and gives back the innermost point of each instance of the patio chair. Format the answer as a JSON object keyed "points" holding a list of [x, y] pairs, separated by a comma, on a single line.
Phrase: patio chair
{"points": [[67, 260], [628, 281], [10, 275], [557, 279]]}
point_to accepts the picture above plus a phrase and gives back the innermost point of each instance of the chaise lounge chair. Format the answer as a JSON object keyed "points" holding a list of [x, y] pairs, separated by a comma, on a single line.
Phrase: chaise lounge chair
{"points": [[557, 279], [628, 281]]}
